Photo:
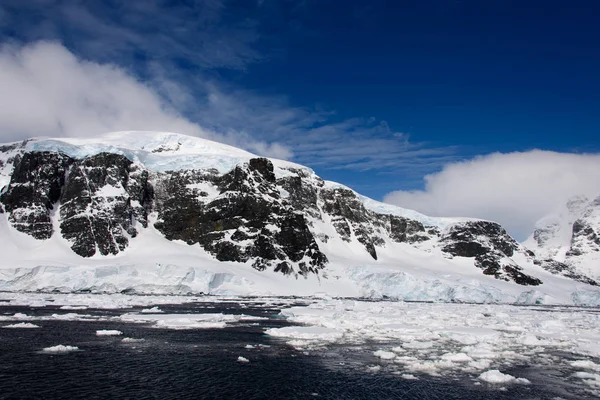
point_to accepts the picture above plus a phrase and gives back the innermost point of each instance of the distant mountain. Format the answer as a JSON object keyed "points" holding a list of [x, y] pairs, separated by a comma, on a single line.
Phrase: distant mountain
{"points": [[570, 237], [152, 212]]}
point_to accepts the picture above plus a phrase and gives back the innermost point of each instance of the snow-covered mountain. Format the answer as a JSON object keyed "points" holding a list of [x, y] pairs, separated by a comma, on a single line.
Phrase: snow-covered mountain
{"points": [[570, 237], [152, 212]]}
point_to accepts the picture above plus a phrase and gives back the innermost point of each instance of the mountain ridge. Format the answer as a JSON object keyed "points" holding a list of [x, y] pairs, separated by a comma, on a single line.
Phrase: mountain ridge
{"points": [[236, 210]]}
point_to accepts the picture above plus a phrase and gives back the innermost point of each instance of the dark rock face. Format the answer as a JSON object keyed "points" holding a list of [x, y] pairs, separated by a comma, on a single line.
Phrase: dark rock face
{"points": [[406, 230], [465, 239], [34, 188], [583, 233], [349, 216], [247, 221], [99, 206], [100, 197], [491, 246], [246, 215], [563, 269]]}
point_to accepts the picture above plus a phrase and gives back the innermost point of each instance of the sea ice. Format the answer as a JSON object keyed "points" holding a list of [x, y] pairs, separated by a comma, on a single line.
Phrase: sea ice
{"points": [[60, 349], [384, 355], [243, 359], [306, 332], [131, 340], [108, 332], [21, 325], [153, 310], [446, 338], [495, 376]]}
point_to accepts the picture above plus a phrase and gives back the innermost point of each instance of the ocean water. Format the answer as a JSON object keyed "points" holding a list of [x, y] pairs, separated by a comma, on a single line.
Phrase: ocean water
{"points": [[203, 364]]}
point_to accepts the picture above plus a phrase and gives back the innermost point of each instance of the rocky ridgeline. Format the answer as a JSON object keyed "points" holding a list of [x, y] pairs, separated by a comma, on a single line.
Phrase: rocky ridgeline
{"points": [[100, 203], [568, 242]]}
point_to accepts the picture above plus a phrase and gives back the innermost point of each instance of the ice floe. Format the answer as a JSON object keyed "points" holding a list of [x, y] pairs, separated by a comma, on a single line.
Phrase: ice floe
{"points": [[60, 349], [185, 321], [496, 377], [108, 332], [131, 340], [441, 339], [22, 325]]}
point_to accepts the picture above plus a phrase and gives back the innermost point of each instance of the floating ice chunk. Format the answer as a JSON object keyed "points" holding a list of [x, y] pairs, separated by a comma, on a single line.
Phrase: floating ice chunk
{"points": [[481, 350], [496, 377], [153, 310], [384, 355], [589, 378], [108, 332], [530, 340], [456, 357], [306, 332], [430, 367], [15, 317], [409, 377], [183, 321], [586, 364], [249, 346], [523, 381], [480, 364], [251, 318], [131, 340], [417, 345], [243, 359], [186, 323], [373, 368], [21, 325], [60, 349], [72, 317]]}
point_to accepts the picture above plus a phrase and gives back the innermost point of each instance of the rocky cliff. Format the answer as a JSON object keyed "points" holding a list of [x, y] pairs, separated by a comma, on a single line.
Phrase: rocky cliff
{"points": [[568, 240], [265, 214]]}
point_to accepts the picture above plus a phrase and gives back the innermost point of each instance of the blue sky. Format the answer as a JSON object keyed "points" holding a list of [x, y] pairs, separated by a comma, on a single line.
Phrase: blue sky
{"points": [[373, 94]]}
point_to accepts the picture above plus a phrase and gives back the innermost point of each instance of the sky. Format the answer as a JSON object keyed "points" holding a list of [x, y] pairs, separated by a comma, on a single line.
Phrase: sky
{"points": [[487, 109]]}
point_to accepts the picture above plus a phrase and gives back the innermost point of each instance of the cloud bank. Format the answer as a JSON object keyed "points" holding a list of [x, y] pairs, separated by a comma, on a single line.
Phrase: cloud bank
{"points": [[53, 93], [514, 189]]}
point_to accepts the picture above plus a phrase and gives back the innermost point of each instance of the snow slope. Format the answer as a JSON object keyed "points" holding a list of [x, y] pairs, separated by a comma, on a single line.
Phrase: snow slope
{"points": [[571, 235], [152, 264]]}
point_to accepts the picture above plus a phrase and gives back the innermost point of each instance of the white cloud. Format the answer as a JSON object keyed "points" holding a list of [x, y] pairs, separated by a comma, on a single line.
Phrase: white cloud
{"points": [[48, 91], [514, 189]]}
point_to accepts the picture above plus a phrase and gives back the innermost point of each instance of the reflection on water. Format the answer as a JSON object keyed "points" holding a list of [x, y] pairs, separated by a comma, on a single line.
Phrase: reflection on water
{"points": [[202, 364]]}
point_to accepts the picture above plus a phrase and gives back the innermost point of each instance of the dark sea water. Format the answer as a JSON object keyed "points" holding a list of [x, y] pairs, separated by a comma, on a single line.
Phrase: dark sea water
{"points": [[202, 364]]}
